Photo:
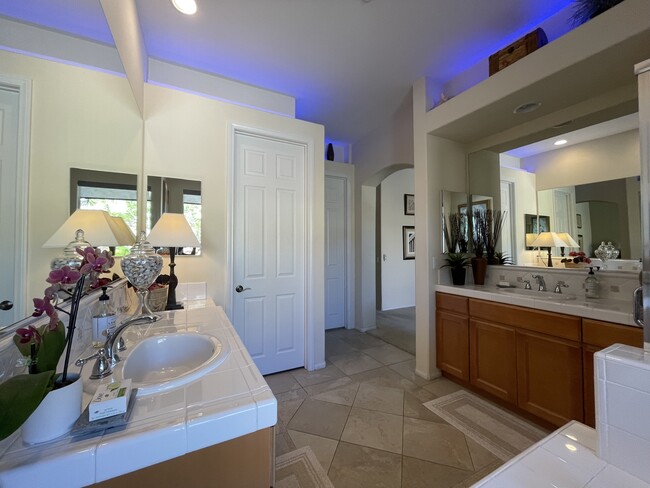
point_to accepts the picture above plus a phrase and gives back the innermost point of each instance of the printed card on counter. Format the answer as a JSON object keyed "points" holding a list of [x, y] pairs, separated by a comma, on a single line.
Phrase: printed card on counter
{"points": [[110, 399]]}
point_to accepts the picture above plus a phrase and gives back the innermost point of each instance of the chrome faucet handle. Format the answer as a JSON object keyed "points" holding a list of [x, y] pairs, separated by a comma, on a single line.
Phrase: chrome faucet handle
{"points": [[558, 287], [527, 285], [101, 368], [541, 284]]}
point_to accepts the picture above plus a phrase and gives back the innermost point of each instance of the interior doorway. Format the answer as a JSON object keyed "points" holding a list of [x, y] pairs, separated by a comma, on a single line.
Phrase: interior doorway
{"points": [[376, 277]]}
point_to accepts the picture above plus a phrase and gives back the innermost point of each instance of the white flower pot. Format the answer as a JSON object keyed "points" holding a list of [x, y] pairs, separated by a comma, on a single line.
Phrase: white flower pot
{"points": [[56, 414]]}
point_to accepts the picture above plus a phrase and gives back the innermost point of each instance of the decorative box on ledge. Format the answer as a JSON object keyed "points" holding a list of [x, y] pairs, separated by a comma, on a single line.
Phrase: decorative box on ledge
{"points": [[517, 50]]}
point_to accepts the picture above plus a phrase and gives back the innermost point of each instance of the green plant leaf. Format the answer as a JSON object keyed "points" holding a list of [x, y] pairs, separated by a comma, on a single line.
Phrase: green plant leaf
{"points": [[50, 349], [19, 397]]}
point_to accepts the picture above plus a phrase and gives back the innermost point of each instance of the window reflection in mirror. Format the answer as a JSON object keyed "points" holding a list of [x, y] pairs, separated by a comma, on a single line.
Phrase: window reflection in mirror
{"points": [[177, 196], [115, 193]]}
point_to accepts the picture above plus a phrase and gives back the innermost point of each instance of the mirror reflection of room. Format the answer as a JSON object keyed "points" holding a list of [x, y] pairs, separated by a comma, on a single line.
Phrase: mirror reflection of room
{"points": [[587, 187]]}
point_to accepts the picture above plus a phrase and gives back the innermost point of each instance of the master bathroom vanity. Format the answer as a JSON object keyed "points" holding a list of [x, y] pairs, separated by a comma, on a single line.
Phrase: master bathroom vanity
{"points": [[212, 426], [530, 351]]}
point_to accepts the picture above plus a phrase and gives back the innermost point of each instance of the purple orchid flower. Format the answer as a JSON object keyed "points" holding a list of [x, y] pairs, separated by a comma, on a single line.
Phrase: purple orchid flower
{"points": [[65, 275], [28, 334], [42, 305]]}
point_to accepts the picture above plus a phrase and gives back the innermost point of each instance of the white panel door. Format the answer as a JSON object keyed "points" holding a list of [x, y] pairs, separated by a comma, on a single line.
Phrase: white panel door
{"points": [[335, 256], [9, 102], [269, 251]]}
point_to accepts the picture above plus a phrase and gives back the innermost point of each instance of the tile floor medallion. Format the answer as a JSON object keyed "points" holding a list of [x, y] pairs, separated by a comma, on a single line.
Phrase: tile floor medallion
{"points": [[364, 420]]}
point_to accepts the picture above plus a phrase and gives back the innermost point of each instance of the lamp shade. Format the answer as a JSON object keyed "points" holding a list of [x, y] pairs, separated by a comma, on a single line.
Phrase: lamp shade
{"points": [[173, 230], [124, 236], [566, 237], [98, 226], [530, 238], [548, 239]]}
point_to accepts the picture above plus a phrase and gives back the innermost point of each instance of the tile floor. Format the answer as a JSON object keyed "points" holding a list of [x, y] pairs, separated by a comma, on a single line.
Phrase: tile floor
{"points": [[397, 327], [362, 415]]}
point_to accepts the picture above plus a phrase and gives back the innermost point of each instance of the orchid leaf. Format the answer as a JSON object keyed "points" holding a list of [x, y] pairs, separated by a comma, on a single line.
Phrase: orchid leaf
{"points": [[50, 349], [20, 396]]}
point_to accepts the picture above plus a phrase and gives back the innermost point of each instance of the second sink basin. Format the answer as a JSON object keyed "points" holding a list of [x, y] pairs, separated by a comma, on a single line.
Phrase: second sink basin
{"points": [[164, 362]]}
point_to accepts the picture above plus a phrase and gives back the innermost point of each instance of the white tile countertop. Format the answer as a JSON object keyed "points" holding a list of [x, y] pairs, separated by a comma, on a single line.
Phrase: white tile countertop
{"points": [[565, 459], [231, 401], [607, 309]]}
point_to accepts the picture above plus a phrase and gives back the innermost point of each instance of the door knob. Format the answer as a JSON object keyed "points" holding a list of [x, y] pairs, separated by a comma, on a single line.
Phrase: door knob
{"points": [[6, 305], [240, 288]]}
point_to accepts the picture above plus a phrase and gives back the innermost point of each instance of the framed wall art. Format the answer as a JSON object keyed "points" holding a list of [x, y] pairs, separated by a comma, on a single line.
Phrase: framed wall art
{"points": [[409, 204], [408, 241]]}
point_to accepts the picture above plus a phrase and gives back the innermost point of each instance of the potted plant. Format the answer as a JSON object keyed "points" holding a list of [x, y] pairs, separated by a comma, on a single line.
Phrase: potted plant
{"points": [[42, 348], [493, 226], [457, 262], [479, 232], [585, 10], [455, 233]]}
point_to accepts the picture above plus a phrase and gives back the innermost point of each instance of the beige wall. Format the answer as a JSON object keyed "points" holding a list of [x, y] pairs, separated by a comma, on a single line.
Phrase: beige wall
{"points": [[80, 118], [187, 136]]}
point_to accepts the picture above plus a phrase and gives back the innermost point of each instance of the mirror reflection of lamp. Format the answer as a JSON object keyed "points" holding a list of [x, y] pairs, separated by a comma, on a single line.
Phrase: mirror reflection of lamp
{"points": [[86, 226], [570, 241], [172, 230], [549, 240]]}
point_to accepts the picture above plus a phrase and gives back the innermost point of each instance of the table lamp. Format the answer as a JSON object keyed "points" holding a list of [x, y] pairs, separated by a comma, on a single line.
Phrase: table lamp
{"points": [[549, 240], [86, 226], [172, 230], [566, 237]]}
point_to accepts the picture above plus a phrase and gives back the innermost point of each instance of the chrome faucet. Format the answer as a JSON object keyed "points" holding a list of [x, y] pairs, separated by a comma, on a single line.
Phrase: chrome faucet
{"points": [[106, 356], [559, 285], [527, 285], [541, 284]]}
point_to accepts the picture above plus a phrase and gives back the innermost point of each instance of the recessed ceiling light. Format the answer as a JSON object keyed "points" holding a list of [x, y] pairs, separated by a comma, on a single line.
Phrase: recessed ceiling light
{"points": [[560, 142], [525, 108], [187, 7]]}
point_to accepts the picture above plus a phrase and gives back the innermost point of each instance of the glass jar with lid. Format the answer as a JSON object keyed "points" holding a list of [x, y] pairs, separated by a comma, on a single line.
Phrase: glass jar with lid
{"points": [[141, 267]]}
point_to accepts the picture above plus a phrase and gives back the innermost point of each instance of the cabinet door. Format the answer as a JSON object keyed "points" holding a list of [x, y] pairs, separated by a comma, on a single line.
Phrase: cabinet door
{"points": [[493, 359], [452, 344], [549, 377]]}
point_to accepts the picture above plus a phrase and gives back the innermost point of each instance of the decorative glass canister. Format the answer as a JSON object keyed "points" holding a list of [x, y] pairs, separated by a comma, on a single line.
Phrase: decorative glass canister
{"points": [[141, 267]]}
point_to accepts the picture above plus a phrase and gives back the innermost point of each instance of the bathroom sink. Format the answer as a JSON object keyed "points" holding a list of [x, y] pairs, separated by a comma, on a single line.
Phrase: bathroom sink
{"points": [[161, 363], [537, 295]]}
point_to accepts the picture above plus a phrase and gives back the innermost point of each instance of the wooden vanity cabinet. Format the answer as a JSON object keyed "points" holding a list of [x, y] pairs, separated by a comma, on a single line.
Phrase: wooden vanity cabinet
{"points": [[452, 335], [493, 359], [542, 353], [597, 335]]}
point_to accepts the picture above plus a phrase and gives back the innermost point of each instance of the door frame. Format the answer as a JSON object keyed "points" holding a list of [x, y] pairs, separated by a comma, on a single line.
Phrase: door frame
{"points": [[312, 359], [24, 89], [346, 172]]}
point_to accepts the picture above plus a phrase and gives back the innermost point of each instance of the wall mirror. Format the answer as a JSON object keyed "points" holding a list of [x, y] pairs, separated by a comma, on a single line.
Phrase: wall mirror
{"points": [[176, 196], [117, 193], [79, 118], [590, 189]]}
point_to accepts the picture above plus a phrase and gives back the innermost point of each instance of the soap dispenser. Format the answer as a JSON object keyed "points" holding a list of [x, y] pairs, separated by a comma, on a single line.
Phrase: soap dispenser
{"points": [[592, 285], [103, 318]]}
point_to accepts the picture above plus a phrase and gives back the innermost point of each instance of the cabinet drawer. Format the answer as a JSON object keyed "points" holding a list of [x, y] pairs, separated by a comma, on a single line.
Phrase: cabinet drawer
{"points": [[604, 334], [554, 324], [452, 303]]}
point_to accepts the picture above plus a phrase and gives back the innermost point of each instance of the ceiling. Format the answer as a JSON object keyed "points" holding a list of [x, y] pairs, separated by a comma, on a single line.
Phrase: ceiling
{"points": [[349, 63]]}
